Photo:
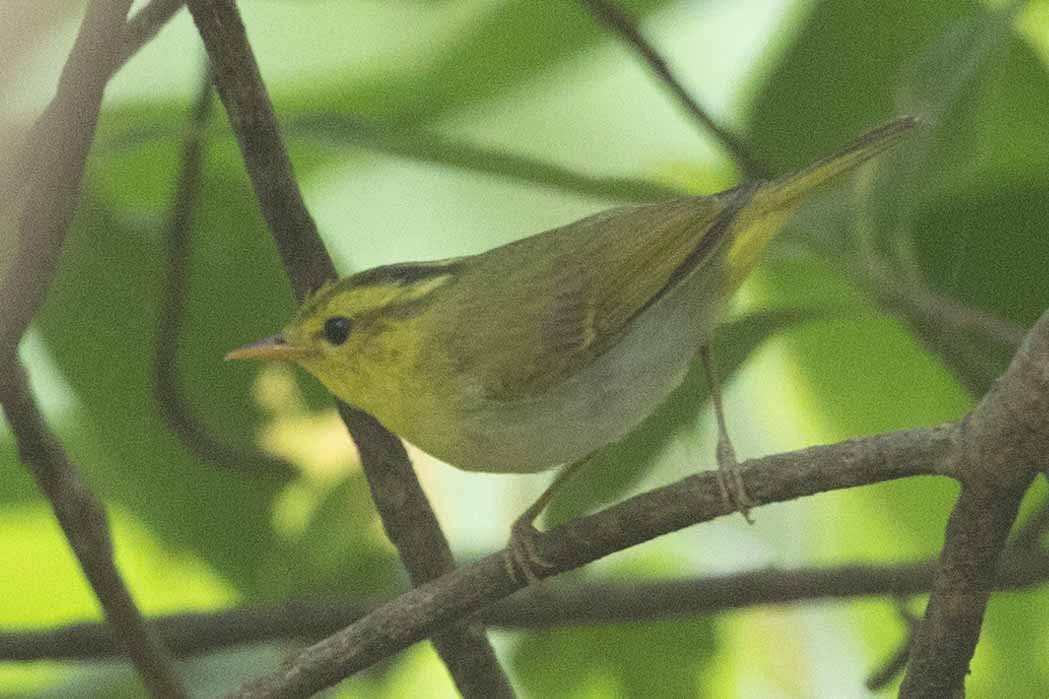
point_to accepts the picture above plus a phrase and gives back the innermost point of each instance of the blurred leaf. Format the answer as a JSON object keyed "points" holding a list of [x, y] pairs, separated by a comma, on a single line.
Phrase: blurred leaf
{"points": [[619, 466], [839, 75], [511, 42], [427, 146], [667, 657]]}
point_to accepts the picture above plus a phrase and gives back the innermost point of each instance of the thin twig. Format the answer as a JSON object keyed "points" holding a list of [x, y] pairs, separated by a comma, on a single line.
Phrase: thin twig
{"points": [[406, 513], [83, 521], [170, 400], [543, 607], [897, 662], [612, 16]]}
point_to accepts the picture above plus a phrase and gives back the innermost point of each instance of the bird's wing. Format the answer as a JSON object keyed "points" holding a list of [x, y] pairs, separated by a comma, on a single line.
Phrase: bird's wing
{"points": [[566, 296]]}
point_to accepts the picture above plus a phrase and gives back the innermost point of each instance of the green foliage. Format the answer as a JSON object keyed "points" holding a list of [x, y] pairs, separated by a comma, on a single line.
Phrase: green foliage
{"points": [[629, 660], [962, 208]]}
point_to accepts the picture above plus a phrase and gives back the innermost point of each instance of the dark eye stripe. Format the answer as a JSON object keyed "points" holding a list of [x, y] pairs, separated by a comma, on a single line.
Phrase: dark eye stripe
{"points": [[337, 329]]}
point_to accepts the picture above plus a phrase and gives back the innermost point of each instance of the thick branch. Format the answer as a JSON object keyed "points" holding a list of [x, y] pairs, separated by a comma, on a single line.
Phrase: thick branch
{"points": [[403, 506], [83, 520], [542, 607], [425, 610], [1005, 443], [612, 16]]}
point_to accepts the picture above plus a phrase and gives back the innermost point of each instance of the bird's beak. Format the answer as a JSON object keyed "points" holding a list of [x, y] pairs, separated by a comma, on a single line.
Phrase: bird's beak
{"points": [[274, 347]]}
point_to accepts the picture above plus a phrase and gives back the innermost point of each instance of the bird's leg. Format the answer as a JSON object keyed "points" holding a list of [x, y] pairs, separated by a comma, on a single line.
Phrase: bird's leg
{"points": [[728, 467], [522, 553]]}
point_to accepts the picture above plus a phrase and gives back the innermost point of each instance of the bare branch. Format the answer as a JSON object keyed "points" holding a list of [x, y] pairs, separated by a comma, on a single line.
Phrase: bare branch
{"points": [[1005, 443], [608, 13], [16, 173], [49, 169], [166, 390], [406, 513], [424, 610], [83, 521], [544, 607]]}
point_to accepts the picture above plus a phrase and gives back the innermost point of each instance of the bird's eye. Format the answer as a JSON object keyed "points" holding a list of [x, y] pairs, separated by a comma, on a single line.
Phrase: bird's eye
{"points": [[337, 329]]}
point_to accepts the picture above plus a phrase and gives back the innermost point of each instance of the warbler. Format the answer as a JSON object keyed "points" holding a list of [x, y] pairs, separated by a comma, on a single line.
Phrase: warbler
{"points": [[536, 353]]}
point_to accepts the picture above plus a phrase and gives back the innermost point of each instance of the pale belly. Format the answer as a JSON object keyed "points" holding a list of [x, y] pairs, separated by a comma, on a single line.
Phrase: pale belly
{"points": [[599, 405]]}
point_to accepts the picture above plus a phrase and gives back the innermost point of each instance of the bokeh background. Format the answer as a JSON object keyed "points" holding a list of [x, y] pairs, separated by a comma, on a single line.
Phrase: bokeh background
{"points": [[969, 220]]}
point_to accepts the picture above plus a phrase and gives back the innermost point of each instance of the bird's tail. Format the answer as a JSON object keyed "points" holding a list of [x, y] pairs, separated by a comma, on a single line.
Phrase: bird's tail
{"points": [[772, 203], [794, 187]]}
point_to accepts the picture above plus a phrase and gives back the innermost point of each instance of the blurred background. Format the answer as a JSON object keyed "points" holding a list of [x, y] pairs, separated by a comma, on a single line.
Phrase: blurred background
{"points": [[399, 117]]}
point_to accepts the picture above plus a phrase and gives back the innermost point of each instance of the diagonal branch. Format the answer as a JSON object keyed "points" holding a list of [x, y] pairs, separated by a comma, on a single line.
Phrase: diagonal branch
{"points": [[612, 16], [143, 26], [1005, 443], [542, 607], [50, 167], [425, 610], [405, 511], [83, 521]]}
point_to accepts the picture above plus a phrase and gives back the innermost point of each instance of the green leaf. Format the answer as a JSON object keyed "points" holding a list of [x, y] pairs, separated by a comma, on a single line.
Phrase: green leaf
{"points": [[840, 74], [509, 43]]}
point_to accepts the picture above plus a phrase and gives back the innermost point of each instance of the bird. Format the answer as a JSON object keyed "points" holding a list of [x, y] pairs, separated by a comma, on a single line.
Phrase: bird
{"points": [[536, 353]]}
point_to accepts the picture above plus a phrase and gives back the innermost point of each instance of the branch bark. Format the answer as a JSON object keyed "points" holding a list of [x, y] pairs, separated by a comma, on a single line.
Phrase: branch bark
{"points": [[50, 166], [83, 521], [48, 169], [417, 614], [405, 511], [537, 608], [1005, 443]]}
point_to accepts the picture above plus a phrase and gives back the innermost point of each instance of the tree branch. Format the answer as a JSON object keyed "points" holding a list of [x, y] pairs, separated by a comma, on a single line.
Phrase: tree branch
{"points": [[543, 607], [613, 17], [405, 511], [425, 610], [1005, 443], [49, 169], [83, 521], [18, 171]]}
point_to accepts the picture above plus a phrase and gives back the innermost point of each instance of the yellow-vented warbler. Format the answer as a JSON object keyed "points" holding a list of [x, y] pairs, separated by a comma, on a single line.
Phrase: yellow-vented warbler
{"points": [[536, 353]]}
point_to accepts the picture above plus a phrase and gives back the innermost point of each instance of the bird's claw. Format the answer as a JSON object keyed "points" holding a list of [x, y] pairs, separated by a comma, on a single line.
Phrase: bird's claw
{"points": [[522, 553], [735, 492]]}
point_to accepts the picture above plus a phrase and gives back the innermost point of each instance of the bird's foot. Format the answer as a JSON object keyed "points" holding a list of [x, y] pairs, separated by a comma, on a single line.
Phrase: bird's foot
{"points": [[522, 553], [730, 480]]}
